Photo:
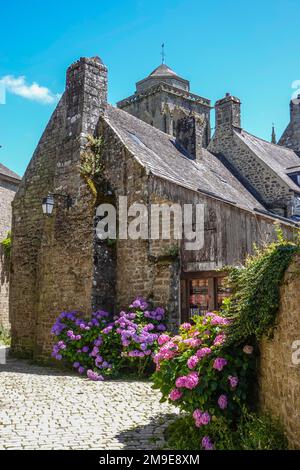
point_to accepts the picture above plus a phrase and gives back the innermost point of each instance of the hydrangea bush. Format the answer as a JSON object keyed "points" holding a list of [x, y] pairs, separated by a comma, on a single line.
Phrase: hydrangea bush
{"points": [[101, 346], [198, 372]]}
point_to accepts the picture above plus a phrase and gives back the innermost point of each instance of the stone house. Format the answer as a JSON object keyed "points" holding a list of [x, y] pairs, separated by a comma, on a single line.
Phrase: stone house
{"points": [[156, 149], [9, 182], [270, 172]]}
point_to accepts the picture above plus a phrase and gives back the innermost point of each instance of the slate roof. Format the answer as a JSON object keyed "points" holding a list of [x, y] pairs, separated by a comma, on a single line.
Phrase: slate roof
{"points": [[280, 159], [160, 155], [163, 71], [9, 173]]}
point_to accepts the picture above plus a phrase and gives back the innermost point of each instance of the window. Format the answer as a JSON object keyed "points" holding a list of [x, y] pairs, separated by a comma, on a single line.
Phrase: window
{"points": [[174, 128], [202, 292], [295, 177], [165, 123], [199, 296]]}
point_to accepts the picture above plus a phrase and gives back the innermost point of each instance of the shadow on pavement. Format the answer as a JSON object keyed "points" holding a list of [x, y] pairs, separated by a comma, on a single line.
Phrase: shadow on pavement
{"points": [[147, 436]]}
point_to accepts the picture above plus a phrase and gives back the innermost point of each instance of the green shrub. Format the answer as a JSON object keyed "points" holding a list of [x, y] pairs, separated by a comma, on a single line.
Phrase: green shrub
{"points": [[255, 297], [254, 432], [6, 244], [4, 336], [260, 432]]}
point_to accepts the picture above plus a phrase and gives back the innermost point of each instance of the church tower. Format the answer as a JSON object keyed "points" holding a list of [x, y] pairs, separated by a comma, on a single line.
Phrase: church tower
{"points": [[291, 136], [163, 100]]}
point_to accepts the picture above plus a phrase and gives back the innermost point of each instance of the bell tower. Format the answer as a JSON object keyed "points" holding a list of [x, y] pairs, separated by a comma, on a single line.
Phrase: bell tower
{"points": [[163, 99]]}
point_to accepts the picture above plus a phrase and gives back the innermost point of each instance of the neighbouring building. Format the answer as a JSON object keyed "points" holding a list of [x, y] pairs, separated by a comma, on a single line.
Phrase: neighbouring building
{"points": [[270, 172], [9, 182], [291, 136], [156, 149]]}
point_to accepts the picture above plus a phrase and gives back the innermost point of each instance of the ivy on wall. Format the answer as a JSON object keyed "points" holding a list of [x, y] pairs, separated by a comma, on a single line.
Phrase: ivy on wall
{"points": [[255, 288], [6, 245], [91, 165]]}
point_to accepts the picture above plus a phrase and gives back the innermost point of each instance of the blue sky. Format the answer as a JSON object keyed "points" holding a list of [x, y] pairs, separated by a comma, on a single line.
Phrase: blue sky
{"points": [[250, 49]]}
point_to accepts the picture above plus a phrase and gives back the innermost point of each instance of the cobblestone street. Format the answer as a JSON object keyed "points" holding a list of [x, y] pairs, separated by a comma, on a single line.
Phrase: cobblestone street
{"points": [[42, 408]]}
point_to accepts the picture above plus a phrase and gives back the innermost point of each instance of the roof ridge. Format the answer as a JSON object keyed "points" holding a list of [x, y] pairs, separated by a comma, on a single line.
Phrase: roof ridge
{"points": [[5, 171], [271, 143]]}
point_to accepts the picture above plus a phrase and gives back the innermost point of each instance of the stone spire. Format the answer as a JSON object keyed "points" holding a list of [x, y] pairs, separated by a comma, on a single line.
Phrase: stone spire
{"points": [[273, 140]]}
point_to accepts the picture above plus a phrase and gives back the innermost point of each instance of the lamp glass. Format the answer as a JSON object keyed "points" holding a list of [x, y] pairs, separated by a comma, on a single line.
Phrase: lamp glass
{"points": [[48, 204]]}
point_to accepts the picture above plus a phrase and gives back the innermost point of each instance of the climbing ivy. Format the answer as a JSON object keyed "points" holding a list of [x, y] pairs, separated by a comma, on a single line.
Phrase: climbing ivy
{"points": [[91, 165], [6, 245], [255, 297]]}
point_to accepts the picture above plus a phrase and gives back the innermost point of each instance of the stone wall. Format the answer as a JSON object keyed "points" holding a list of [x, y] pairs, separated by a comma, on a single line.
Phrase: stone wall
{"points": [[143, 267], [279, 376], [52, 257], [271, 190], [7, 193]]}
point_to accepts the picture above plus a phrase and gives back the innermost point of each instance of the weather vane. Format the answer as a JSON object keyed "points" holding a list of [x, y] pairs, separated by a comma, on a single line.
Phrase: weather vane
{"points": [[163, 55]]}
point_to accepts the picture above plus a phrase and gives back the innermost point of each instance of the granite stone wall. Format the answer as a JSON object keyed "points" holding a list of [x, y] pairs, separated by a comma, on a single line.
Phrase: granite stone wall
{"points": [[7, 193], [269, 189], [52, 257], [143, 267], [280, 362]]}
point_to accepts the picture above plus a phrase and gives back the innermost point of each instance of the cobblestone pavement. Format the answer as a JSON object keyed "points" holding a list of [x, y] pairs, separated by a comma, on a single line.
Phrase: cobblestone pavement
{"points": [[42, 408]]}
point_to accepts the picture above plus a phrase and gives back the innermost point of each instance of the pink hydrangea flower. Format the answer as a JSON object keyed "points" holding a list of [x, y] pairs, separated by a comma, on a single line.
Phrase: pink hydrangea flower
{"points": [[217, 319], [219, 339], [219, 363], [186, 326], [193, 342], [197, 414], [175, 394], [192, 380], [192, 362], [222, 402], [233, 380], [203, 352], [162, 339], [201, 418], [205, 418], [181, 381], [189, 381]]}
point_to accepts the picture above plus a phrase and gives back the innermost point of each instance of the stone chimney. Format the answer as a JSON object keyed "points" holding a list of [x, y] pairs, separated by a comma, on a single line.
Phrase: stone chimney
{"points": [[228, 112], [86, 94], [191, 134]]}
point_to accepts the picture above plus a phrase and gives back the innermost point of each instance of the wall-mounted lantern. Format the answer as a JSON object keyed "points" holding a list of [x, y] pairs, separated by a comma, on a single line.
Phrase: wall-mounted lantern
{"points": [[49, 202]]}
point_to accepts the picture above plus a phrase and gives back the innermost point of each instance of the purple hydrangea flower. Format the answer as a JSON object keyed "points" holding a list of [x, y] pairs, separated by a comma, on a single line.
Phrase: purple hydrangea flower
{"points": [[219, 363], [207, 443], [233, 380], [93, 375]]}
